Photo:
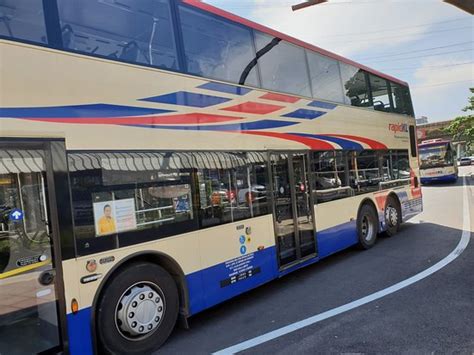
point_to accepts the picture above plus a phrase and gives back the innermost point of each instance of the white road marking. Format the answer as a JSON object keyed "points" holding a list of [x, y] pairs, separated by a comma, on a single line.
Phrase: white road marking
{"points": [[463, 243]]}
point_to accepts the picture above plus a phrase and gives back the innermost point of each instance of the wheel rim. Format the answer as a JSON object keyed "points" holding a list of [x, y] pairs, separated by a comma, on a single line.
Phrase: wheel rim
{"points": [[391, 215], [367, 228], [139, 311]]}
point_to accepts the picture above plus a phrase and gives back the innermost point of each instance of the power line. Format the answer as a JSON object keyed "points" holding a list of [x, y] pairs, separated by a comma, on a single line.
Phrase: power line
{"points": [[429, 67], [403, 35], [382, 30], [415, 51], [423, 56], [441, 84], [397, 28]]}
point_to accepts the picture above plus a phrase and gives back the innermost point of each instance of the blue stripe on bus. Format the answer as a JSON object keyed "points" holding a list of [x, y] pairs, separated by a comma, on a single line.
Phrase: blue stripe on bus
{"points": [[77, 111], [185, 98], [344, 143], [206, 287], [305, 113], [336, 238], [79, 331], [249, 126], [322, 104], [230, 89], [443, 178]]}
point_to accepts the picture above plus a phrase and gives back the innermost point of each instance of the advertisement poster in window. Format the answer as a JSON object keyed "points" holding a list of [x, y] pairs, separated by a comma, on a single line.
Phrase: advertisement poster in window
{"points": [[114, 216]]}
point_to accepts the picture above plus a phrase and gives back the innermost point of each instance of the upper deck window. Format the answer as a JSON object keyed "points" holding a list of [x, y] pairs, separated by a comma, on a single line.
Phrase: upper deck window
{"points": [[22, 19], [380, 94], [132, 31], [354, 83], [283, 66], [401, 99], [216, 48], [325, 77]]}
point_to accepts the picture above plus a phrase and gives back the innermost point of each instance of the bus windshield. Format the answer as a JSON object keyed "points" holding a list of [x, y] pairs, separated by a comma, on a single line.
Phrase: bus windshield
{"points": [[435, 157]]}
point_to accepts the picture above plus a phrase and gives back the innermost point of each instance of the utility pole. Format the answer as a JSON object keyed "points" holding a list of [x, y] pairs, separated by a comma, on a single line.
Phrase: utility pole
{"points": [[466, 5], [307, 4]]}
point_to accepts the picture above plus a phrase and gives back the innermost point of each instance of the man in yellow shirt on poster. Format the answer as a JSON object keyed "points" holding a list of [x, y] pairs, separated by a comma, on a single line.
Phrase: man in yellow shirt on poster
{"points": [[106, 223]]}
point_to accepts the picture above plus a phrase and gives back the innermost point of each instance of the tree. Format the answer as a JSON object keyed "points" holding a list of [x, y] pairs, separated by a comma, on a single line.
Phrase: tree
{"points": [[462, 127]]}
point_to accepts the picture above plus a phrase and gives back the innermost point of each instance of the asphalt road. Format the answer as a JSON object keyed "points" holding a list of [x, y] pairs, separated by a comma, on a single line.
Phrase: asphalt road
{"points": [[435, 314]]}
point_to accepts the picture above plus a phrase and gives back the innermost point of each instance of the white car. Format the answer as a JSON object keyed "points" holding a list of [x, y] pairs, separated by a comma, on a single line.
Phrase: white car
{"points": [[466, 161]]}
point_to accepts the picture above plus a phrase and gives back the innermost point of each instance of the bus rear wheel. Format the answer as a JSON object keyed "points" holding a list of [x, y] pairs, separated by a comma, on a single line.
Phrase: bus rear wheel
{"points": [[138, 310], [392, 215], [367, 222]]}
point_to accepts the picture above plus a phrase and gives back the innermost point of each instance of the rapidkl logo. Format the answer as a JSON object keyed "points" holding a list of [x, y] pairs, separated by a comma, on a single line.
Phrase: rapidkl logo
{"points": [[394, 127]]}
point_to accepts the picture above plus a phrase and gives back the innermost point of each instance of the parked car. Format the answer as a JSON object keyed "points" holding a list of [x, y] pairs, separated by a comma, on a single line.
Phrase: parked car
{"points": [[466, 160]]}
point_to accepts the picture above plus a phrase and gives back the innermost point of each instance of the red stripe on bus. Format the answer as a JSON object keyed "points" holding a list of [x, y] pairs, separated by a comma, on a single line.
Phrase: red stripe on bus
{"points": [[217, 11], [253, 107], [370, 142], [310, 142], [280, 97], [188, 118]]}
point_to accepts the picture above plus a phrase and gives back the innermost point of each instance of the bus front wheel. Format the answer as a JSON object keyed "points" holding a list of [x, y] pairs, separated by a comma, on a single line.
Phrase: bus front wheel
{"points": [[367, 223], [138, 310]]}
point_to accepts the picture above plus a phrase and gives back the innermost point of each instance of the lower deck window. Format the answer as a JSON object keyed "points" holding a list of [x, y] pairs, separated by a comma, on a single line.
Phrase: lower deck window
{"points": [[365, 174], [121, 199], [228, 195], [340, 174], [330, 175], [117, 196], [395, 165]]}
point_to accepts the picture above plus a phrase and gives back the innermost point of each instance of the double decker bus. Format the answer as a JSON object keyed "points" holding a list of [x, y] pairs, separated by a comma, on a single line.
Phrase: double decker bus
{"points": [[159, 157], [437, 161]]}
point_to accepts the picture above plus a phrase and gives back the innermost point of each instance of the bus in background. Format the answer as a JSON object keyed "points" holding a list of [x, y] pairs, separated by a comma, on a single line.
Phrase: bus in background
{"points": [[437, 161], [159, 157]]}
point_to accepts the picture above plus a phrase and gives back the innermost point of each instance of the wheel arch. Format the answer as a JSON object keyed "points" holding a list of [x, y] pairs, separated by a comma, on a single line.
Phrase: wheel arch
{"points": [[395, 196], [165, 261]]}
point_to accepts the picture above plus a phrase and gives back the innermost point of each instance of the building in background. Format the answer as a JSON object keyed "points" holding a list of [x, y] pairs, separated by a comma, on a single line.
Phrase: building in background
{"points": [[421, 120], [437, 130]]}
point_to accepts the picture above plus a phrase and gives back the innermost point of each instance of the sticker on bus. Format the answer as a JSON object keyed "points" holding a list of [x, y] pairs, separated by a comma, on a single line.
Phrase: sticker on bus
{"points": [[16, 215], [114, 216]]}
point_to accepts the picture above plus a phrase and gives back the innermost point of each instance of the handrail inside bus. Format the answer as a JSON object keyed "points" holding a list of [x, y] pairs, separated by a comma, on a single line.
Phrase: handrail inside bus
{"points": [[391, 182], [333, 189]]}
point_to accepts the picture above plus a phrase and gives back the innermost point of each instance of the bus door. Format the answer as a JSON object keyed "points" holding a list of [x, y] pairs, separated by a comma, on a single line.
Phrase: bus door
{"points": [[29, 321], [292, 207]]}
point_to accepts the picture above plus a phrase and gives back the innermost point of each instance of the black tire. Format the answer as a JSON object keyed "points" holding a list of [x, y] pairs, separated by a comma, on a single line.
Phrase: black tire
{"points": [[367, 226], [113, 339], [393, 215]]}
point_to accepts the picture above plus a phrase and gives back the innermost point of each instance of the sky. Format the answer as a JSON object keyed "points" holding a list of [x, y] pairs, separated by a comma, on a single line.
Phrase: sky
{"points": [[427, 43]]}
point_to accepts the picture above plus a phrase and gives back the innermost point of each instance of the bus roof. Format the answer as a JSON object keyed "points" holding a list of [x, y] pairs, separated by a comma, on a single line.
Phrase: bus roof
{"points": [[217, 11], [433, 142]]}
